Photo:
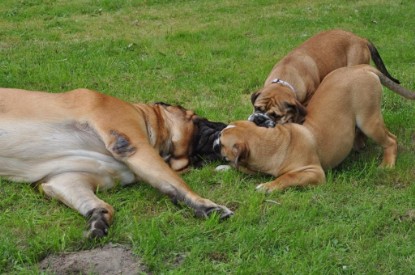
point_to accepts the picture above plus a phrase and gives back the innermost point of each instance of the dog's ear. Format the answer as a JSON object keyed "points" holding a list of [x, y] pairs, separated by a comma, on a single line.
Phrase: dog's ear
{"points": [[189, 114], [299, 112], [254, 96], [240, 151], [196, 119]]}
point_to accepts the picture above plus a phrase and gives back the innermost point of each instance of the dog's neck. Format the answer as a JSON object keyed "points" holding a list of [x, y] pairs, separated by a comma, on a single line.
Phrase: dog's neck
{"points": [[285, 83], [158, 132]]}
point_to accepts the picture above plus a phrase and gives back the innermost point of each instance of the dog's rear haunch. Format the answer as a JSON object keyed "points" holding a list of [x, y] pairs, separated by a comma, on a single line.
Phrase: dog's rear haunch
{"points": [[73, 143]]}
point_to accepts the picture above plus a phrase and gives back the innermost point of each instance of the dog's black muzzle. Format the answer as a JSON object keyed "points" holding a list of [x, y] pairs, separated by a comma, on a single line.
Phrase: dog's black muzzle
{"points": [[262, 120]]}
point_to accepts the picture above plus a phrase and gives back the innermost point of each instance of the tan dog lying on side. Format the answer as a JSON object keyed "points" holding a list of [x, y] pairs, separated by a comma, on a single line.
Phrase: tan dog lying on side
{"points": [[74, 143], [297, 154], [294, 79]]}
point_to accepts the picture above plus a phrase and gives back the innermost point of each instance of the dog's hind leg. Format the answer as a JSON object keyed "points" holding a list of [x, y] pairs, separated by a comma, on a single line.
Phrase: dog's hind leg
{"points": [[390, 151], [375, 129], [77, 190]]}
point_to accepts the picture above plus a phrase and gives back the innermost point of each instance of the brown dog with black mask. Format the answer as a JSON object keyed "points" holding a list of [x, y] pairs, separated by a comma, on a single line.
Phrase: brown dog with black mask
{"points": [[294, 79]]}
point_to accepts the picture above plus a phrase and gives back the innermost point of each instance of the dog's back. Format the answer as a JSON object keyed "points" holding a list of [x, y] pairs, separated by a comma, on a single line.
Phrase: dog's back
{"points": [[345, 99], [340, 48]]}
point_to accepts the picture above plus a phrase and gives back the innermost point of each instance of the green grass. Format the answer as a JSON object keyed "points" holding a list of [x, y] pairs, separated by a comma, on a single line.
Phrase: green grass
{"points": [[210, 56]]}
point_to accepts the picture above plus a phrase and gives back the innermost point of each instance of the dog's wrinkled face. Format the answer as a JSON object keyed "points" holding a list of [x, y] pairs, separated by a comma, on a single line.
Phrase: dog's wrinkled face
{"points": [[192, 138], [178, 143], [278, 105], [206, 134], [231, 144]]}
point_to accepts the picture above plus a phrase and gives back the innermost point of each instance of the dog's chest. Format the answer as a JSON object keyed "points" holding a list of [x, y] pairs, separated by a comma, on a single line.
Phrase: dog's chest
{"points": [[31, 151]]}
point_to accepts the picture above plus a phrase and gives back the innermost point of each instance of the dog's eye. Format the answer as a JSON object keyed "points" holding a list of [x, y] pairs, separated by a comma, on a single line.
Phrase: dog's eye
{"points": [[275, 116], [259, 109]]}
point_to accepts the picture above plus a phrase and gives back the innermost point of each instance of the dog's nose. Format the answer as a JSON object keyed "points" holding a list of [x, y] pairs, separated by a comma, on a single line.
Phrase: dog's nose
{"points": [[268, 123], [252, 117], [262, 120]]}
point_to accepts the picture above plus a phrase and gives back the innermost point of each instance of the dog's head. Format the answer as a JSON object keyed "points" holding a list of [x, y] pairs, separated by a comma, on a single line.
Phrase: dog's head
{"points": [[192, 138], [173, 134], [232, 143], [276, 104], [205, 134]]}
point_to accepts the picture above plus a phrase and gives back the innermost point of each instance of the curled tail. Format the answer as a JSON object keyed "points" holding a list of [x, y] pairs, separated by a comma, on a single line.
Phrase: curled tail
{"points": [[379, 62], [393, 86]]}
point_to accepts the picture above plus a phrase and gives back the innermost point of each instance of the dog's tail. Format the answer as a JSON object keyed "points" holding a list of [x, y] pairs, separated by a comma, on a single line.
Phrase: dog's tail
{"points": [[392, 85], [379, 62]]}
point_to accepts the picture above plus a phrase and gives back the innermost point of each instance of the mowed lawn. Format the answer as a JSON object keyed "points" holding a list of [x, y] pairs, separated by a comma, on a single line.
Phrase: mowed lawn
{"points": [[210, 56]]}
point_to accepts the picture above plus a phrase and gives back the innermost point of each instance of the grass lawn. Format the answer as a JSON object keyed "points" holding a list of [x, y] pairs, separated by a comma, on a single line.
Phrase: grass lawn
{"points": [[210, 56]]}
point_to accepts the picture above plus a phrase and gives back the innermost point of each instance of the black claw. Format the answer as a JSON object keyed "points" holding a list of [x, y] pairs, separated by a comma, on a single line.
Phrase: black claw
{"points": [[174, 200], [97, 233], [226, 215], [223, 211], [201, 214], [98, 225]]}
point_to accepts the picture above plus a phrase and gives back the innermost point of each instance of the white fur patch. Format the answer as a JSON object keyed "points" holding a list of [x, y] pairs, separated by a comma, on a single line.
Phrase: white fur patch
{"points": [[221, 168], [230, 126], [30, 151]]}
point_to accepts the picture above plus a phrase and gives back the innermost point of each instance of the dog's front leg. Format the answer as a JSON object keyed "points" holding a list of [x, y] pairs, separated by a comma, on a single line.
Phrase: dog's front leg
{"points": [[130, 145], [151, 168], [77, 190], [309, 175]]}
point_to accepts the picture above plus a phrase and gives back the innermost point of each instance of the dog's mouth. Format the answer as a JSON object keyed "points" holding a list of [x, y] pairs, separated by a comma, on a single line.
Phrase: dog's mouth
{"points": [[262, 120]]}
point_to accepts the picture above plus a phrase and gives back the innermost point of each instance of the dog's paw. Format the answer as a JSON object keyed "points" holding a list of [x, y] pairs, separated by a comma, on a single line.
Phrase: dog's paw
{"points": [[387, 166], [223, 211], [261, 188], [98, 225], [267, 187], [221, 168]]}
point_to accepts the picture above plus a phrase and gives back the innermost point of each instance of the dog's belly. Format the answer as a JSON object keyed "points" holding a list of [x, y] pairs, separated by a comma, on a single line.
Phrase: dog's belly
{"points": [[335, 147], [334, 135], [32, 151]]}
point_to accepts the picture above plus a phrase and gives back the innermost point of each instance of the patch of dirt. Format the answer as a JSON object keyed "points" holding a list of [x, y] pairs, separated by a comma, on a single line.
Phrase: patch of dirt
{"points": [[408, 216], [110, 259]]}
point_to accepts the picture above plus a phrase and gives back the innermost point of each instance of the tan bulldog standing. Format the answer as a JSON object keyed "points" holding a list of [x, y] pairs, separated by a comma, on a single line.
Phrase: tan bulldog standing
{"points": [[294, 79]]}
